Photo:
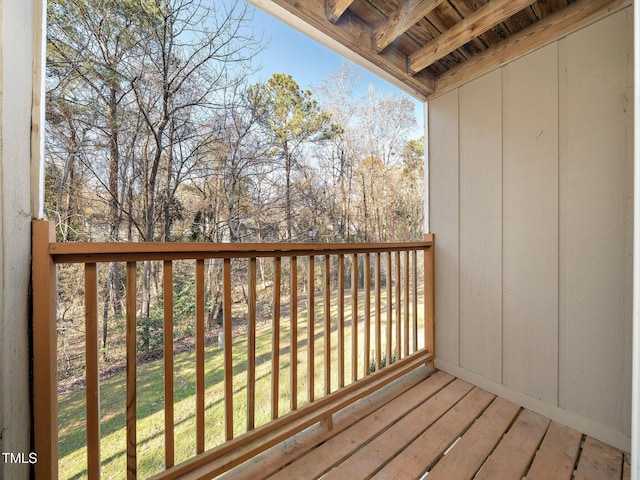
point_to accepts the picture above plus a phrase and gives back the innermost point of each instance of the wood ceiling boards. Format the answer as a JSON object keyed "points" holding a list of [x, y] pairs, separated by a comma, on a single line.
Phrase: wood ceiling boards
{"points": [[433, 46]]}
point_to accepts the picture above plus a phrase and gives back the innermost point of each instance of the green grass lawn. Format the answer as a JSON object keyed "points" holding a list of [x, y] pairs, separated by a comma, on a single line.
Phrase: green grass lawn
{"points": [[150, 396]]}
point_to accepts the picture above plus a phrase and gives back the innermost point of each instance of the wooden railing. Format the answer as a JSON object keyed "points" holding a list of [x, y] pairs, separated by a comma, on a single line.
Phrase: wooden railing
{"points": [[391, 331]]}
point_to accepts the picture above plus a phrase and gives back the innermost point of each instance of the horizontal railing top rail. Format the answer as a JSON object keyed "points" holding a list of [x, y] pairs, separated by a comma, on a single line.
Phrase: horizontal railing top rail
{"points": [[142, 251]]}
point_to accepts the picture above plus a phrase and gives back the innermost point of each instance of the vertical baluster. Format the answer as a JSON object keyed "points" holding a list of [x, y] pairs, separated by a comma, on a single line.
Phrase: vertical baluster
{"points": [[251, 346], [311, 332], [131, 371], [415, 300], [429, 299], [294, 332], [169, 443], [228, 346], [354, 318], [406, 303], [200, 356], [398, 350], [367, 314], [327, 325], [378, 312], [389, 309], [275, 368], [92, 371], [340, 321]]}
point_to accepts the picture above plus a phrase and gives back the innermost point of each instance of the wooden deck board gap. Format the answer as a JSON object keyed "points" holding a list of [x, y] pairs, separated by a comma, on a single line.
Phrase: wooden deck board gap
{"points": [[409, 440], [575, 465], [455, 442], [451, 446], [526, 472], [410, 399]]}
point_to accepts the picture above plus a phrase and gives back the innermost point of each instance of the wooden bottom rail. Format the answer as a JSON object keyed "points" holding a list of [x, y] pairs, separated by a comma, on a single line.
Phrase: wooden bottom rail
{"points": [[234, 452]]}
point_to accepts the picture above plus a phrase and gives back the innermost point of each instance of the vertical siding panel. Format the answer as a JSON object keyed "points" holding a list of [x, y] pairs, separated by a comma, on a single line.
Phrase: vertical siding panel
{"points": [[596, 224], [530, 225], [480, 226], [443, 218]]}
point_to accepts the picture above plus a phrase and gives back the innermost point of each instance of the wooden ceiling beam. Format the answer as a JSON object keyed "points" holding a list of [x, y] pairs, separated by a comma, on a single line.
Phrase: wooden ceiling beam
{"points": [[547, 30], [406, 16], [351, 38], [335, 9], [463, 32]]}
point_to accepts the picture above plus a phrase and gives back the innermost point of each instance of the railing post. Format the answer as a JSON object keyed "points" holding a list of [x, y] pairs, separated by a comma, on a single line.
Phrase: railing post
{"points": [[429, 298], [44, 351]]}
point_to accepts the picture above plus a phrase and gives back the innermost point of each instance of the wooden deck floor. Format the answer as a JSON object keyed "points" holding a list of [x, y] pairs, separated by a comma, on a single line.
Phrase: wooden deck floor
{"points": [[437, 427]]}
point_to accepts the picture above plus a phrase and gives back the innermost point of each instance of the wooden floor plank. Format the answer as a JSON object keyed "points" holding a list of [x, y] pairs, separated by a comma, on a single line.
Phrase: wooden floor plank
{"points": [[334, 450], [412, 462], [599, 461], [286, 452], [403, 432], [468, 455], [513, 455], [371, 456], [557, 455]]}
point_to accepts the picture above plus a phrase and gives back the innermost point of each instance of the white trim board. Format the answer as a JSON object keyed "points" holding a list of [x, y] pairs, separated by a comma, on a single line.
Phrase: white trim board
{"points": [[635, 404]]}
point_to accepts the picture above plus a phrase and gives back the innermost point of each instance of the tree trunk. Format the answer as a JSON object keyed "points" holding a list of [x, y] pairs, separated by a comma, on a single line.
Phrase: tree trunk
{"points": [[288, 161]]}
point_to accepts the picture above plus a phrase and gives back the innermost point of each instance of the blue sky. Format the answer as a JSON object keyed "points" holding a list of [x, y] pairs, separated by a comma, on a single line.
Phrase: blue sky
{"points": [[309, 62]]}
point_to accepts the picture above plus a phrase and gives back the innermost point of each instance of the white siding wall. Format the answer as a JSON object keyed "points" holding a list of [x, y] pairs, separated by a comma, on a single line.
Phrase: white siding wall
{"points": [[16, 65], [531, 190]]}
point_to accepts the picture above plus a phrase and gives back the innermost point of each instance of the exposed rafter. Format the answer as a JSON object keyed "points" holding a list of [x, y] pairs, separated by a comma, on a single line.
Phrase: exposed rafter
{"points": [[402, 19], [560, 23], [335, 9], [470, 27], [355, 36], [428, 47]]}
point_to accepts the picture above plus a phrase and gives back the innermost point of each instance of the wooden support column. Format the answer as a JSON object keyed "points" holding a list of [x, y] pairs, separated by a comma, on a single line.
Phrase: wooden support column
{"points": [[45, 367], [429, 299]]}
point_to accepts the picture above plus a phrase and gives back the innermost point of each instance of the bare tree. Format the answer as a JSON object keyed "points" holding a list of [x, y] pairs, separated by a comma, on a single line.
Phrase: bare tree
{"points": [[194, 54]]}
